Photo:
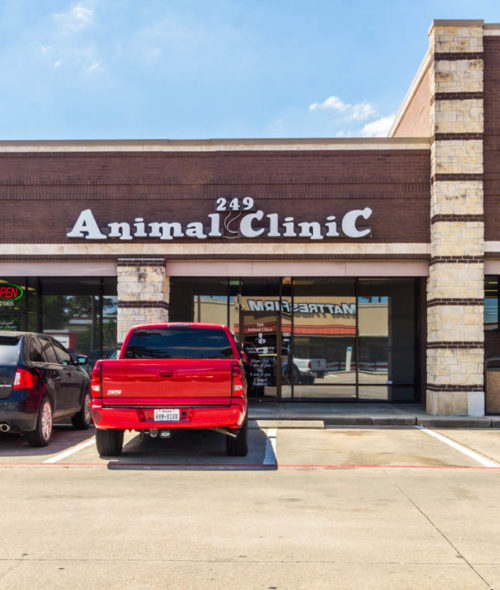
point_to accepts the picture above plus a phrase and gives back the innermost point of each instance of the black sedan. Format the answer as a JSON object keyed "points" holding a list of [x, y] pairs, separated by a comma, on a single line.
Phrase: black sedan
{"points": [[40, 381]]}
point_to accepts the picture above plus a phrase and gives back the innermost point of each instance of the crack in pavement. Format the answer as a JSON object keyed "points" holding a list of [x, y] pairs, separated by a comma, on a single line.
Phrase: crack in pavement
{"points": [[443, 535], [17, 562]]}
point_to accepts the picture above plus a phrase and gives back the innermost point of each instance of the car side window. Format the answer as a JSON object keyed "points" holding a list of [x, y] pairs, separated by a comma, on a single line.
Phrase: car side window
{"points": [[49, 356], [63, 356], [35, 353]]}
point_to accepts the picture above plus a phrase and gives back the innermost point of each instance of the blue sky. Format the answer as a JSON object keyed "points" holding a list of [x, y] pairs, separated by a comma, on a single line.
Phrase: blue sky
{"points": [[186, 69]]}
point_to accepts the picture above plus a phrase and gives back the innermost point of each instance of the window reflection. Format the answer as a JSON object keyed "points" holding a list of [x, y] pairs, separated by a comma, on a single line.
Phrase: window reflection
{"points": [[386, 338], [13, 301], [491, 303], [338, 338], [324, 342], [79, 311]]}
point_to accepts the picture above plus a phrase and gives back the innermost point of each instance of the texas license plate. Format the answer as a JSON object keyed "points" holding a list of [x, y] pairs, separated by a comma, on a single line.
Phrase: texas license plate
{"points": [[167, 415]]}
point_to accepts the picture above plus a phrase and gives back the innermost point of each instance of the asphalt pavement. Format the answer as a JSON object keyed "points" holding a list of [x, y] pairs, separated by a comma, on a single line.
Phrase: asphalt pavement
{"points": [[312, 506]]}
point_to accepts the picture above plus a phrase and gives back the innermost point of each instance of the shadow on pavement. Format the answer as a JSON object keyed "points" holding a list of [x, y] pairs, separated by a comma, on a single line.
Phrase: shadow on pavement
{"points": [[191, 450], [63, 437]]}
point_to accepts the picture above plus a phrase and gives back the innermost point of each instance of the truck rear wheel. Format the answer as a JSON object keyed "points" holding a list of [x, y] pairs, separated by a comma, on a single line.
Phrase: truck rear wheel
{"points": [[238, 447], [109, 442]]}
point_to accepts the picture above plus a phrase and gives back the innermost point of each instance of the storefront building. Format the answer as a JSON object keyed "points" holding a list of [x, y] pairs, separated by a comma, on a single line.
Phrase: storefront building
{"points": [[349, 269]]}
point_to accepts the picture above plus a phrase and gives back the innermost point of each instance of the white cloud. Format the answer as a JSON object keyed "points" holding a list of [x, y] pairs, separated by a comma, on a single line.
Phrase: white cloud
{"points": [[95, 66], [76, 19], [358, 112], [362, 111], [378, 128], [332, 102]]}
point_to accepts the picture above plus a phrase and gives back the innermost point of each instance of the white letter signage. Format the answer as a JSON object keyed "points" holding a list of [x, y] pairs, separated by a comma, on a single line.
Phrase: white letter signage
{"points": [[231, 220]]}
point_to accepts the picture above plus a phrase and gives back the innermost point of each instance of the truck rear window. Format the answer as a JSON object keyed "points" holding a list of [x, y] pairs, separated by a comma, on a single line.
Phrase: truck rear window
{"points": [[179, 343]]}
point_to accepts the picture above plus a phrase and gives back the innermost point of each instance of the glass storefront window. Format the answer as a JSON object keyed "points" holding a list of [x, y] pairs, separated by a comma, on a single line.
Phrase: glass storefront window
{"points": [[491, 303], [70, 310], [109, 315], [314, 338], [79, 311], [324, 337], [386, 338], [14, 294], [199, 301]]}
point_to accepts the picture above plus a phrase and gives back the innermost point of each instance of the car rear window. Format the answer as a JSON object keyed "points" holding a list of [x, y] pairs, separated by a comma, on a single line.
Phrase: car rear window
{"points": [[179, 343], [9, 349]]}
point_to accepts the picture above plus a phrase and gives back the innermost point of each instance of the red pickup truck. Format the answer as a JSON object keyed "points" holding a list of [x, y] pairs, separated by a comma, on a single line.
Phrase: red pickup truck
{"points": [[171, 376]]}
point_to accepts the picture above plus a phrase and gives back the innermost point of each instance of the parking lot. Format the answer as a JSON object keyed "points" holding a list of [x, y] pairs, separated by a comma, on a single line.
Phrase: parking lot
{"points": [[294, 444], [309, 507]]}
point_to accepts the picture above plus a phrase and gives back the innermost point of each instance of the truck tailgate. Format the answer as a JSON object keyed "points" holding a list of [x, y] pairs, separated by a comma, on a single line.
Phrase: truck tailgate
{"points": [[179, 382]]}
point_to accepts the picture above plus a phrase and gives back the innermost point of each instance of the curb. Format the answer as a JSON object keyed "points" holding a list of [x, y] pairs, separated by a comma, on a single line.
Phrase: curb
{"points": [[370, 421], [452, 422], [428, 421]]}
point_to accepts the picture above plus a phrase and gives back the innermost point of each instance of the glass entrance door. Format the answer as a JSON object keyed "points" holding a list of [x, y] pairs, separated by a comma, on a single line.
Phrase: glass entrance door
{"points": [[261, 340]]}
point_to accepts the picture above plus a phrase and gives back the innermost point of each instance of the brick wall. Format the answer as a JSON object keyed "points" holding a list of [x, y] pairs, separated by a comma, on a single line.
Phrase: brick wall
{"points": [[416, 120], [47, 191]]}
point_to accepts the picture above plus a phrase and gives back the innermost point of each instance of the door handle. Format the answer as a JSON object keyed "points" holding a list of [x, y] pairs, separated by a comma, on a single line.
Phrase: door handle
{"points": [[167, 373]]}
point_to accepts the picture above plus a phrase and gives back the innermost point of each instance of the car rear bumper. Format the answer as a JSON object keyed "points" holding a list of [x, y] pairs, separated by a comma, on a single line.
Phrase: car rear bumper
{"points": [[142, 418], [17, 417]]}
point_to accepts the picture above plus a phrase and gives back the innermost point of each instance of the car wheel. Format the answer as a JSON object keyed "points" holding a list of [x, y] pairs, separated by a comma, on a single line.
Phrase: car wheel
{"points": [[238, 447], [83, 419], [40, 437], [109, 442]]}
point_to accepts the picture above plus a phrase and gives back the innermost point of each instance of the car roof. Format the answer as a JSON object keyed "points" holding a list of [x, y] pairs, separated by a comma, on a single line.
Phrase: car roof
{"points": [[15, 334]]}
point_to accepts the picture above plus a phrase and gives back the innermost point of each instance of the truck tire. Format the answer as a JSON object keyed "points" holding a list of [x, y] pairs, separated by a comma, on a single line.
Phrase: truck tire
{"points": [[238, 447], [40, 437], [83, 419], [109, 442]]}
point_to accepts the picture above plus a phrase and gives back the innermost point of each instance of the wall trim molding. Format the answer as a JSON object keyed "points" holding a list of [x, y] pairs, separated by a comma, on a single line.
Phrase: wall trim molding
{"points": [[462, 345], [451, 217], [455, 301], [142, 304], [450, 387]]}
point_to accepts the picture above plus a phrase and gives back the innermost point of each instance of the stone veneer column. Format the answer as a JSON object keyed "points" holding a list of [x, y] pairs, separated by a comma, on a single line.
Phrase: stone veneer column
{"points": [[455, 289], [143, 293]]}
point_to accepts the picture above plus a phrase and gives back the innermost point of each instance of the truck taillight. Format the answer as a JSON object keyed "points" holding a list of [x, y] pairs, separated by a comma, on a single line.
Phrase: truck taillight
{"points": [[95, 381], [309, 365], [23, 379], [238, 384]]}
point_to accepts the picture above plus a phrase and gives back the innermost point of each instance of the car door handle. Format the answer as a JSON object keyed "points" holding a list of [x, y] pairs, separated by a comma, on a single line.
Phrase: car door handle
{"points": [[168, 373]]}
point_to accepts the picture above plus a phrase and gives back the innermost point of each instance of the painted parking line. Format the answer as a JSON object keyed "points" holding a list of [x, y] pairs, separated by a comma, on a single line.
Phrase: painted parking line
{"points": [[346, 467], [270, 452], [71, 451], [460, 448]]}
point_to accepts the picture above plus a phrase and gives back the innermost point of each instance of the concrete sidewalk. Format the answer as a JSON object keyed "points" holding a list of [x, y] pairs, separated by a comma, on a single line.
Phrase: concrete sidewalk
{"points": [[369, 414]]}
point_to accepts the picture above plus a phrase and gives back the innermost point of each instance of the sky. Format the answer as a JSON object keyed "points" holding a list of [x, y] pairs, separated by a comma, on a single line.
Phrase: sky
{"points": [[198, 69]]}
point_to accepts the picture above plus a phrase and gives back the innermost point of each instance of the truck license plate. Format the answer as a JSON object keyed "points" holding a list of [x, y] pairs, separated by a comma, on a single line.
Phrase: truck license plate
{"points": [[167, 415]]}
